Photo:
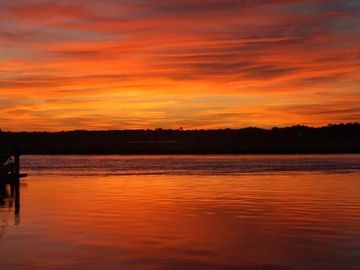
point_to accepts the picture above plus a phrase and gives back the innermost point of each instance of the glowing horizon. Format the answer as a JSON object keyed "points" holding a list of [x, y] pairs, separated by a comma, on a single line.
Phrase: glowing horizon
{"points": [[132, 64]]}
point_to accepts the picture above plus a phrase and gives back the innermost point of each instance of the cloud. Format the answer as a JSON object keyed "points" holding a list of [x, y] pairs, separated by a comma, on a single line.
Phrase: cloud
{"points": [[287, 51]]}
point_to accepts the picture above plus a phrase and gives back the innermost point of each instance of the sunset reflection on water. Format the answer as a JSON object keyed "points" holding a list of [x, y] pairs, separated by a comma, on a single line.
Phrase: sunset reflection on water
{"points": [[273, 221]]}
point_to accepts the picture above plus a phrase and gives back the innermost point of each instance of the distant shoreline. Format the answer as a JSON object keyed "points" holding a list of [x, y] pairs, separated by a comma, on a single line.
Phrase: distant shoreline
{"points": [[331, 139]]}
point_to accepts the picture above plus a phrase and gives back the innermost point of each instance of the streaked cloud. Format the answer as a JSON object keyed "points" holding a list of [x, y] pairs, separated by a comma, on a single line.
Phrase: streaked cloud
{"points": [[195, 64]]}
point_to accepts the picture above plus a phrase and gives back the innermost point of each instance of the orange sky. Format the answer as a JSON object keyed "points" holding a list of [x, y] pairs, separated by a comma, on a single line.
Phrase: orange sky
{"points": [[115, 64]]}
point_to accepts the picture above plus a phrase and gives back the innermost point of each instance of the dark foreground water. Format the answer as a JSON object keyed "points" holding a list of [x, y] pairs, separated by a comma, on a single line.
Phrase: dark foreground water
{"points": [[183, 212]]}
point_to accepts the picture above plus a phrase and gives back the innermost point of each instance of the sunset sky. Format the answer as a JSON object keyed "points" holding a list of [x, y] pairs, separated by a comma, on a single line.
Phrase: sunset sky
{"points": [[117, 64]]}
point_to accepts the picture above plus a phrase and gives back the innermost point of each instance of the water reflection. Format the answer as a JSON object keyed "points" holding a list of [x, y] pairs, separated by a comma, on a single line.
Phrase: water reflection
{"points": [[142, 222], [9, 203]]}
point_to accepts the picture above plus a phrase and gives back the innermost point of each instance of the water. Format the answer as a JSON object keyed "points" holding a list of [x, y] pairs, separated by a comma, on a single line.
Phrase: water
{"points": [[188, 165], [184, 212]]}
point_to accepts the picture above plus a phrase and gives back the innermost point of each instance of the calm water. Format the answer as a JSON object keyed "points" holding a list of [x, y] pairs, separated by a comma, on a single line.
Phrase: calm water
{"points": [[183, 212]]}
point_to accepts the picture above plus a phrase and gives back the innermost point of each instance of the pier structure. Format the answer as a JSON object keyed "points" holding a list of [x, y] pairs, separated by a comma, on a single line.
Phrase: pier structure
{"points": [[10, 165]]}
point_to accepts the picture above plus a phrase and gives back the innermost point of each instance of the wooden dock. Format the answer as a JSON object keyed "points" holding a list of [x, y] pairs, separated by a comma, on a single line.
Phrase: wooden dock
{"points": [[10, 160], [10, 176], [10, 168]]}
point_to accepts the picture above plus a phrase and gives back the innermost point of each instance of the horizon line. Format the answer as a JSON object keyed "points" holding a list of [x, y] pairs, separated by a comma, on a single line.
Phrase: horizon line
{"points": [[183, 129]]}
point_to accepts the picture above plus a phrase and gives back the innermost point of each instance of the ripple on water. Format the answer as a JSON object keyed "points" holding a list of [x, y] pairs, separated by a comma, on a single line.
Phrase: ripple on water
{"points": [[206, 218]]}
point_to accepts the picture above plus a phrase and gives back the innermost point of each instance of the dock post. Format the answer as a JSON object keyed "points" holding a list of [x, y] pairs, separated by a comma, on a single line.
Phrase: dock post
{"points": [[16, 159], [17, 163]]}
